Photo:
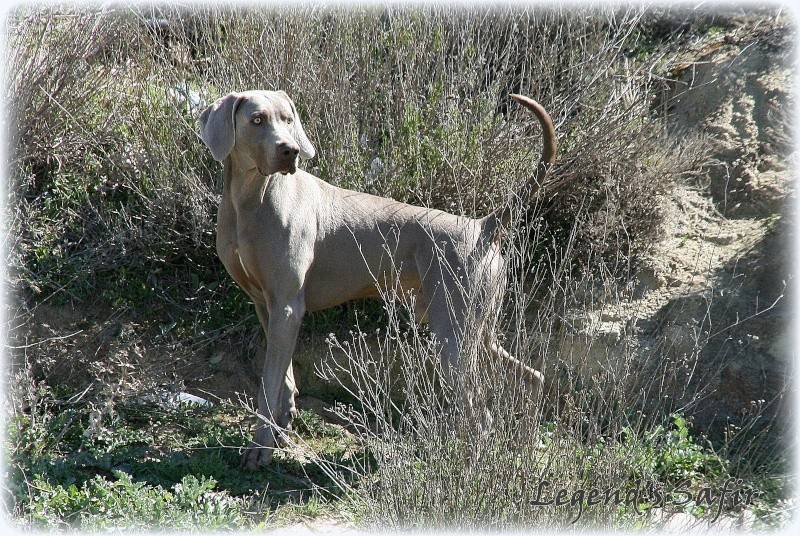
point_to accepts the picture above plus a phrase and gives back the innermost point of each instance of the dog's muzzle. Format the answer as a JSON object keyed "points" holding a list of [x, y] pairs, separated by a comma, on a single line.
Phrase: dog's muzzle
{"points": [[286, 155]]}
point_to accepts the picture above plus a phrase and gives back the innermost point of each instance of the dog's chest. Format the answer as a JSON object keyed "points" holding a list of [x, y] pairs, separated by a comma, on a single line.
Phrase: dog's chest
{"points": [[266, 245], [228, 248]]}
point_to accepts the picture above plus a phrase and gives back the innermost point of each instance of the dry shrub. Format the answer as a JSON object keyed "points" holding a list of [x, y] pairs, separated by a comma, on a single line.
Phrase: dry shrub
{"points": [[112, 195], [486, 453], [403, 101]]}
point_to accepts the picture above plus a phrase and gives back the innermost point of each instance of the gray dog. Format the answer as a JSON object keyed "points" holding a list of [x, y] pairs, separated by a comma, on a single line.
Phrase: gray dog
{"points": [[295, 243]]}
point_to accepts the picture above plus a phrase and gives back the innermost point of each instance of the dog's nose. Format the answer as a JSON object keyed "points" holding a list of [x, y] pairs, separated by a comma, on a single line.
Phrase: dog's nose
{"points": [[288, 149]]}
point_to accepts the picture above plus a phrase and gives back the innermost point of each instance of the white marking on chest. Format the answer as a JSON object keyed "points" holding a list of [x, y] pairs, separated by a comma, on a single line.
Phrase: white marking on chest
{"points": [[241, 262]]}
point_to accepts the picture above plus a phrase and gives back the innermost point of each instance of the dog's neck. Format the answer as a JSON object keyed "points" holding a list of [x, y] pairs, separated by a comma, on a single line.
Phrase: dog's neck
{"points": [[244, 185]]}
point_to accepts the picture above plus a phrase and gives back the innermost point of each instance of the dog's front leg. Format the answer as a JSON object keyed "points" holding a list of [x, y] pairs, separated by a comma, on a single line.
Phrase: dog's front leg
{"points": [[283, 325], [287, 405]]}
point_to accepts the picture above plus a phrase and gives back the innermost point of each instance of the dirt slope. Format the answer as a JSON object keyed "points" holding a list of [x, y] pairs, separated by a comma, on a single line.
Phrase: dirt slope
{"points": [[712, 308]]}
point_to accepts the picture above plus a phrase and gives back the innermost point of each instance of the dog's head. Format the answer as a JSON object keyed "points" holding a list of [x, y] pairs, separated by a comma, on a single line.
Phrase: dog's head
{"points": [[261, 129]]}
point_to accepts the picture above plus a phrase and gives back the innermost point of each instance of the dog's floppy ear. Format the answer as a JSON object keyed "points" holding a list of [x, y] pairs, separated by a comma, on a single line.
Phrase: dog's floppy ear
{"points": [[307, 149], [218, 127]]}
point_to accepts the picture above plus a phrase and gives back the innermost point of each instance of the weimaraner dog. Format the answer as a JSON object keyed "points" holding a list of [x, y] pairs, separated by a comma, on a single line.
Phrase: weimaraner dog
{"points": [[297, 244]]}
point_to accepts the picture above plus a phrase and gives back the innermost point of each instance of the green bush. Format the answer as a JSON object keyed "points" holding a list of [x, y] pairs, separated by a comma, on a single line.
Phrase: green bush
{"points": [[102, 505]]}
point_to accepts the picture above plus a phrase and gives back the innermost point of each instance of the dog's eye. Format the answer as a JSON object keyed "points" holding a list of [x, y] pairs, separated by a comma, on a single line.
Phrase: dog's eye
{"points": [[290, 119], [257, 120]]}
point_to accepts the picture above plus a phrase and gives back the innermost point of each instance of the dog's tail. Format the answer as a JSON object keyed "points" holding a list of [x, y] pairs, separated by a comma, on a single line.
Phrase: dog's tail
{"points": [[501, 217]]}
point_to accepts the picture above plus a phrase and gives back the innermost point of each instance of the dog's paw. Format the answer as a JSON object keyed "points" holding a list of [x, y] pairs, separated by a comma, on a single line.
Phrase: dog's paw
{"points": [[256, 456], [260, 450]]}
